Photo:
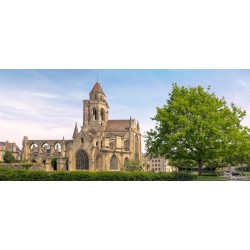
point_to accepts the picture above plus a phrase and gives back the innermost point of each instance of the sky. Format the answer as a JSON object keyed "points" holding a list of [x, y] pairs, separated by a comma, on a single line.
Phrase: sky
{"points": [[46, 104]]}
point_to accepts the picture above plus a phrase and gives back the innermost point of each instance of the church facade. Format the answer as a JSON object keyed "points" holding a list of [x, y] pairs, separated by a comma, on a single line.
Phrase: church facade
{"points": [[100, 144]]}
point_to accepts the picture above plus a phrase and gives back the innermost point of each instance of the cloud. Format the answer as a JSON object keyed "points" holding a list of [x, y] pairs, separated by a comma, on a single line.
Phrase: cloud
{"points": [[47, 103], [243, 83]]}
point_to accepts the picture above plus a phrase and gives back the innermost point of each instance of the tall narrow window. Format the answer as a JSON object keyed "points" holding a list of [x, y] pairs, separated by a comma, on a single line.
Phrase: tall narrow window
{"points": [[114, 163], [112, 145], [126, 145], [102, 114], [94, 114]]}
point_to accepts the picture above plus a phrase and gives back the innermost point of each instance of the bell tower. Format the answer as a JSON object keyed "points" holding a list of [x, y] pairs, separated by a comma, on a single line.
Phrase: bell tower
{"points": [[95, 110]]}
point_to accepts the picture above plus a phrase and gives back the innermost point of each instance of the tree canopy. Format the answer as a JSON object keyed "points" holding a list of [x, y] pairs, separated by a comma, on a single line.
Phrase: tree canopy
{"points": [[196, 125]]}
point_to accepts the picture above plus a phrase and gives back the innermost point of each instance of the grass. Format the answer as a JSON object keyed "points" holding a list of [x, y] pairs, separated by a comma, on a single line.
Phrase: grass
{"points": [[213, 178]]}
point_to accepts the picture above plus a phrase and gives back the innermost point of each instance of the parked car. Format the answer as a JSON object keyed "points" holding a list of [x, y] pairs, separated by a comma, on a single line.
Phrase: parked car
{"points": [[236, 174]]}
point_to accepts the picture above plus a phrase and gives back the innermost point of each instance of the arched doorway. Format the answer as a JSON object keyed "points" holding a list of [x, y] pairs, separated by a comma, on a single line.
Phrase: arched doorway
{"points": [[54, 164], [82, 160]]}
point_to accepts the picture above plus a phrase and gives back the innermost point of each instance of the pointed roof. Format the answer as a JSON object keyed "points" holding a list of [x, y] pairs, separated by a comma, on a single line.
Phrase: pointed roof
{"points": [[97, 89], [75, 131], [138, 125]]}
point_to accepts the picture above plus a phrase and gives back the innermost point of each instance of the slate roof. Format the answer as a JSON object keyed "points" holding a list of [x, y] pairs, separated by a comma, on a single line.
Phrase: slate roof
{"points": [[117, 126]]}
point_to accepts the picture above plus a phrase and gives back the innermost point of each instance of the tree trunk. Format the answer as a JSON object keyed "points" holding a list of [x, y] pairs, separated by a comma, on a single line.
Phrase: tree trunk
{"points": [[200, 165]]}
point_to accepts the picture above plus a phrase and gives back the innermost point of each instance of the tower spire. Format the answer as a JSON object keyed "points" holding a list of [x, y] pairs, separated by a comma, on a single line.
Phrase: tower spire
{"points": [[97, 76], [75, 132]]}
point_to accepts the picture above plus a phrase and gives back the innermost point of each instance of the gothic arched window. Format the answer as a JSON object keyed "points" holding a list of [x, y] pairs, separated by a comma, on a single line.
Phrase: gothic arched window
{"points": [[46, 148], [33, 148], [82, 160], [58, 147], [102, 114], [114, 163], [94, 114]]}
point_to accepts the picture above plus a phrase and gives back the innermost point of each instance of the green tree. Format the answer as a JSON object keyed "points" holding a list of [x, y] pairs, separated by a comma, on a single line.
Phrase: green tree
{"points": [[241, 156], [184, 165], [195, 125], [134, 166], [8, 157]]}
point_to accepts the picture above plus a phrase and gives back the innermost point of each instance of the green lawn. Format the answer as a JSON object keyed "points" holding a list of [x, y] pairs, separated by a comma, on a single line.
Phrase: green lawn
{"points": [[213, 178]]}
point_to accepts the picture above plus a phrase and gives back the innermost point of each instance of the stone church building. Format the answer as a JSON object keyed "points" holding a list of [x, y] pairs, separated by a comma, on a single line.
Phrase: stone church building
{"points": [[100, 145]]}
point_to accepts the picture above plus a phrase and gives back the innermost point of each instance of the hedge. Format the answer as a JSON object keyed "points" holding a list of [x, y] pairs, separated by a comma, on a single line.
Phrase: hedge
{"points": [[30, 175]]}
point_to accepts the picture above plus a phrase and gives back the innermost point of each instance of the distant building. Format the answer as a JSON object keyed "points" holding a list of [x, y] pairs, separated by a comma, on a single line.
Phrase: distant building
{"points": [[11, 147], [159, 164]]}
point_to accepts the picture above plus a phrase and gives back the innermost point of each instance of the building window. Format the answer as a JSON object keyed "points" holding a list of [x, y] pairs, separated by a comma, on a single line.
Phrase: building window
{"points": [[58, 147], [114, 163], [46, 148], [33, 148], [112, 145], [82, 140], [102, 115], [94, 114], [126, 145], [82, 160]]}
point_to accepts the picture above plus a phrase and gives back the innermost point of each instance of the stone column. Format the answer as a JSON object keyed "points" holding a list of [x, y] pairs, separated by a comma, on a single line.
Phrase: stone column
{"points": [[48, 164]]}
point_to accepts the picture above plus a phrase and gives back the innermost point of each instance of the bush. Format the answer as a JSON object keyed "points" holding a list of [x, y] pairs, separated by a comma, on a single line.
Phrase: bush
{"points": [[133, 166], [27, 165], [28, 175], [8, 157]]}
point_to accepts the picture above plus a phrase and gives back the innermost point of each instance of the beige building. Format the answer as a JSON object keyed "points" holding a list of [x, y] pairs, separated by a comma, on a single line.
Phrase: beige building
{"points": [[11, 147], [159, 164], [100, 144]]}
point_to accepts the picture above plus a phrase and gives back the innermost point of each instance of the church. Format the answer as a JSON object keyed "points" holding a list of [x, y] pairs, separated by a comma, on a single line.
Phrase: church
{"points": [[100, 144]]}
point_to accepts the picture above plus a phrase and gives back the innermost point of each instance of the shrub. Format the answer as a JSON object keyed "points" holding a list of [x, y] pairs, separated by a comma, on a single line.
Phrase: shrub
{"points": [[29, 175], [8, 157], [134, 166], [27, 165]]}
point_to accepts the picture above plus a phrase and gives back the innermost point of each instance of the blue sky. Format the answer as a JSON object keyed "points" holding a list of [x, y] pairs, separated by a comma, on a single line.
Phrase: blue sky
{"points": [[45, 104]]}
